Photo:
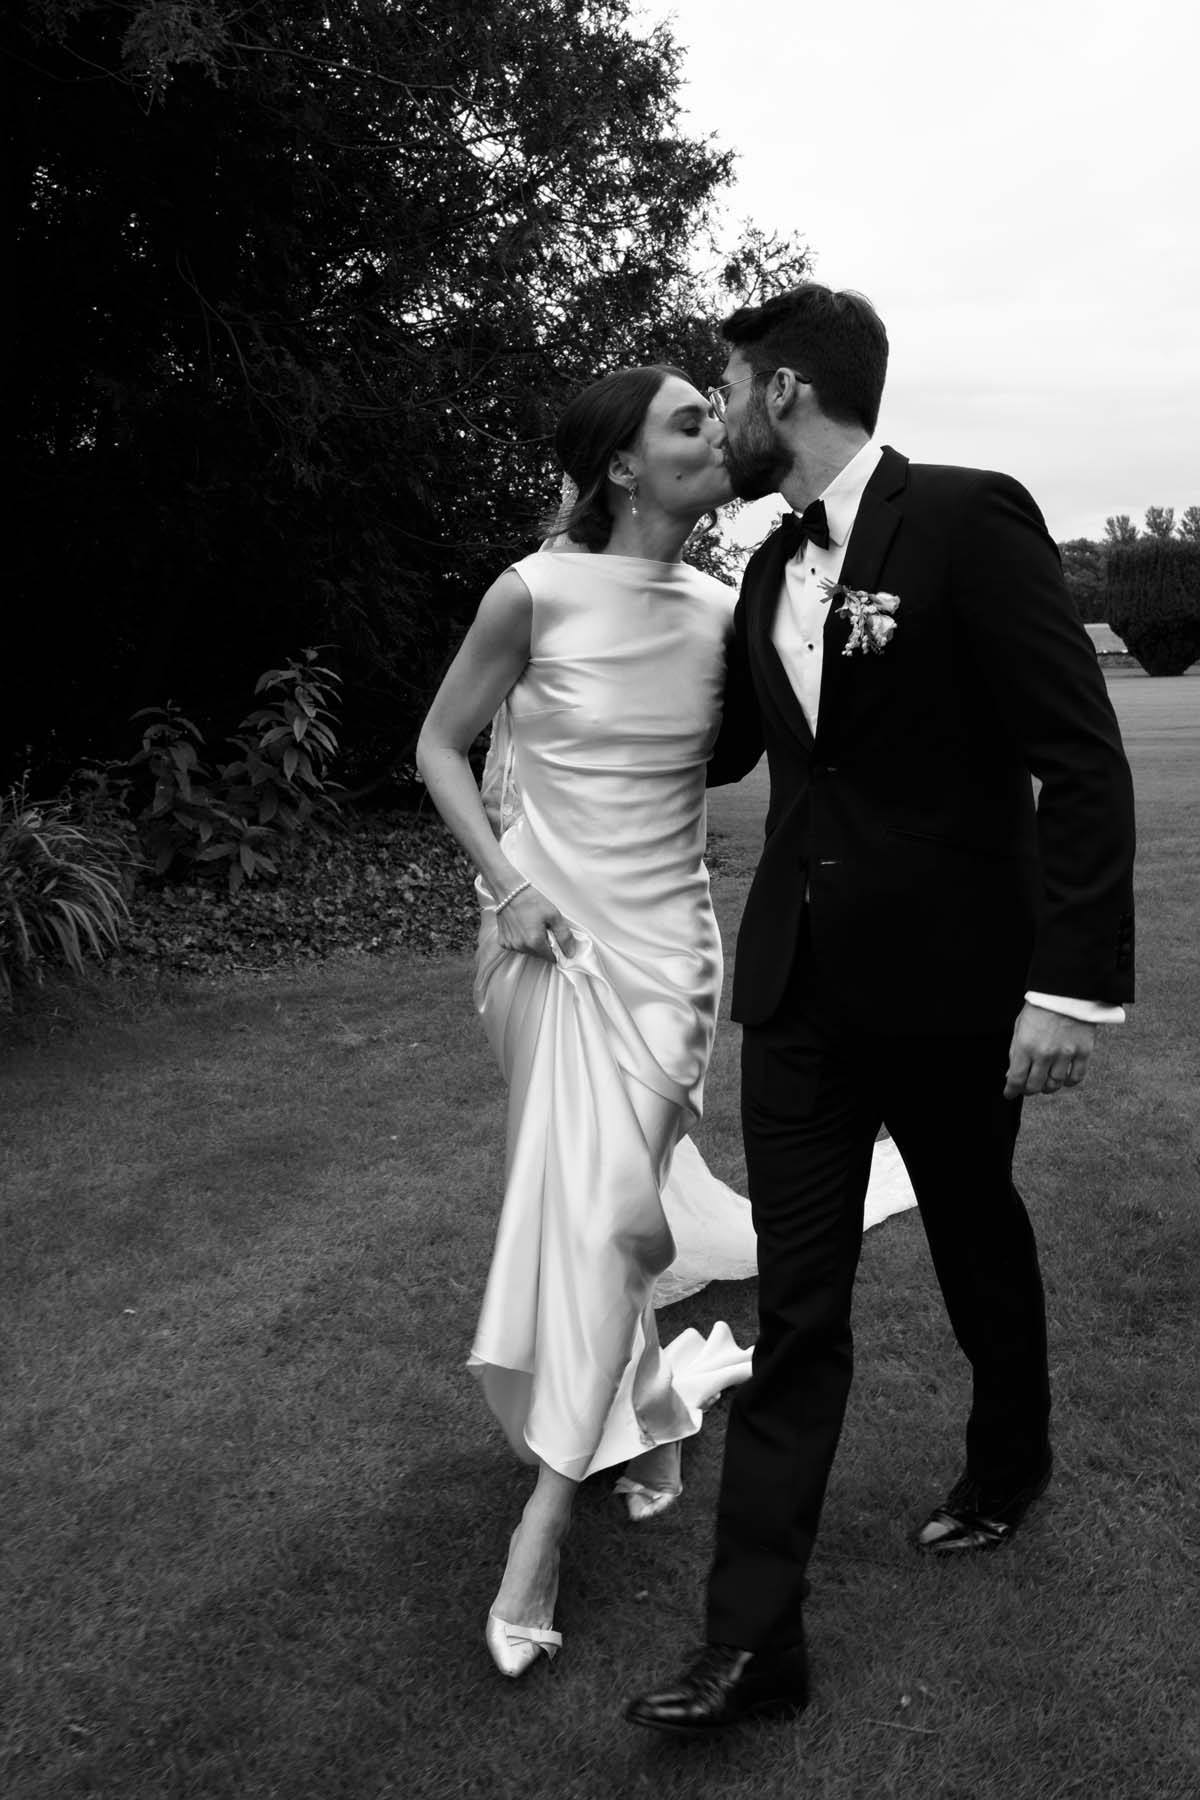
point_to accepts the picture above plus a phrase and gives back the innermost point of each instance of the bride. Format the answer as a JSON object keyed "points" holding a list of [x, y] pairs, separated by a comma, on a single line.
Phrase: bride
{"points": [[601, 661]]}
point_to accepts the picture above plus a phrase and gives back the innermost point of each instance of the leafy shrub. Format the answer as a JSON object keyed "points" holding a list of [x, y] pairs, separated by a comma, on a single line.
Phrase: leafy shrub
{"points": [[1153, 602], [63, 889], [240, 812]]}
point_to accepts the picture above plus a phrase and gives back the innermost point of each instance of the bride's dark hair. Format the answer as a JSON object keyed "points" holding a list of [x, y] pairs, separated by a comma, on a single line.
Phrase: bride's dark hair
{"points": [[605, 418]]}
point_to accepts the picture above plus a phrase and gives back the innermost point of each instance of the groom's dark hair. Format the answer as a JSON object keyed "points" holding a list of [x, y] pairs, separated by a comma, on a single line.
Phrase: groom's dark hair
{"points": [[836, 341]]}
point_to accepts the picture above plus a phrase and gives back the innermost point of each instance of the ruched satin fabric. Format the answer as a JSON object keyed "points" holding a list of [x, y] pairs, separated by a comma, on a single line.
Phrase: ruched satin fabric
{"points": [[595, 783], [596, 774]]}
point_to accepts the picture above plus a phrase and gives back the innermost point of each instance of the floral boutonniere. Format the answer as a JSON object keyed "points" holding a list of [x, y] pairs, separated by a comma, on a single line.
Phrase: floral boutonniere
{"points": [[872, 617]]}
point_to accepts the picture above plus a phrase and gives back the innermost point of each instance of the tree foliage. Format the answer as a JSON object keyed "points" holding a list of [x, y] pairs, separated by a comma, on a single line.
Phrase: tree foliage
{"points": [[1154, 602], [1085, 561], [1160, 522], [1083, 564], [299, 292]]}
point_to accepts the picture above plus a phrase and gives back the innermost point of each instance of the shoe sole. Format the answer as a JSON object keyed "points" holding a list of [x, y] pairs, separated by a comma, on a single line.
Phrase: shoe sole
{"points": [[946, 1549], [787, 1706]]}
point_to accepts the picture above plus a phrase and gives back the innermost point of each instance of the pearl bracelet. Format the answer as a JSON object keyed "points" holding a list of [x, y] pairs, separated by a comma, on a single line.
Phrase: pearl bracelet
{"points": [[501, 904]]}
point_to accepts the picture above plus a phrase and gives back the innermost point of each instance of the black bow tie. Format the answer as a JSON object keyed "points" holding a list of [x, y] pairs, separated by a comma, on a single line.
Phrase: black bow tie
{"points": [[809, 527]]}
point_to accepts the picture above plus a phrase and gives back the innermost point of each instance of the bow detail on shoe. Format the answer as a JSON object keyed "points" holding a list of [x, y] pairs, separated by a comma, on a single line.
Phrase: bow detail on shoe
{"points": [[515, 1648]]}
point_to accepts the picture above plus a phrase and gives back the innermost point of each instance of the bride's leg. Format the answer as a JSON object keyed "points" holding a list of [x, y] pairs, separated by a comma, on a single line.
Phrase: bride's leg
{"points": [[657, 1469], [530, 1586], [652, 1481]]}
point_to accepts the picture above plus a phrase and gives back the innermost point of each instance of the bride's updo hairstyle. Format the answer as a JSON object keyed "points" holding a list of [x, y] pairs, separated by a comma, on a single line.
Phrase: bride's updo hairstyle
{"points": [[605, 418]]}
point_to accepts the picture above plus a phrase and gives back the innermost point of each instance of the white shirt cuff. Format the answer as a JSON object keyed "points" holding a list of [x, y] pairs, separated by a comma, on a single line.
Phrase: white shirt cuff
{"points": [[1088, 1012]]}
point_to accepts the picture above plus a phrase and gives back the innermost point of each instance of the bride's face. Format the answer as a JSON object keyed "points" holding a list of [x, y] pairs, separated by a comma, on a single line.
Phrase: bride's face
{"points": [[680, 453]]}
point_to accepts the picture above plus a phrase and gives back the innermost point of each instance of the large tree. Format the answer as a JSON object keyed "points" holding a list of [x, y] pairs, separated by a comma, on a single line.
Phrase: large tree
{"points": [[299, 291], [1160, 522]]}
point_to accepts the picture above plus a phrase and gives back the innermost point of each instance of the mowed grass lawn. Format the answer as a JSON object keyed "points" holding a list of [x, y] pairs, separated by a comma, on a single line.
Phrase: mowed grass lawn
{"points": [[254, 1512]]}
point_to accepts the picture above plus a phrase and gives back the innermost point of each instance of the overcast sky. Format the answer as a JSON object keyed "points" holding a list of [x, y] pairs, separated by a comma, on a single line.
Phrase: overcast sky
{"points": [[1017, 189]]}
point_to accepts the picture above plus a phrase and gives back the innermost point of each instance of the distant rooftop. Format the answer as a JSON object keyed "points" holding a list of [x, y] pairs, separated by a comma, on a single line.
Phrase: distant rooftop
{"points": [[1105, 640]]}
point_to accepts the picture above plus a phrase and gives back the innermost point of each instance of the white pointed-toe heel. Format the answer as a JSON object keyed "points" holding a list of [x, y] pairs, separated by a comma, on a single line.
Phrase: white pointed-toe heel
{"points": [[515, 1648], [647, 1499]]}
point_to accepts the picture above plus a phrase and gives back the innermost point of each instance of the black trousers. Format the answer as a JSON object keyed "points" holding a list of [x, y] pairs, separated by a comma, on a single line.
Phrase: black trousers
{"points": [[813, 1098]]}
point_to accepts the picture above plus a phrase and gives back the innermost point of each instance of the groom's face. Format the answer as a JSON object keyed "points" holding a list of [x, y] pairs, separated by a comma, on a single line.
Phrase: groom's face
{"points": [[756, 458]]}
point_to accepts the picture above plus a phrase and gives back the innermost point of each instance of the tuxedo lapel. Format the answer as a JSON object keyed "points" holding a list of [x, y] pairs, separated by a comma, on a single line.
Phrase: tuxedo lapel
{"points": [[879, 513], [764, 582]]}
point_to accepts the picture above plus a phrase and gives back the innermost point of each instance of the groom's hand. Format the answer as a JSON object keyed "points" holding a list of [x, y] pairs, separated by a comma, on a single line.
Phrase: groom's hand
{"points": [[1048, 1051]]}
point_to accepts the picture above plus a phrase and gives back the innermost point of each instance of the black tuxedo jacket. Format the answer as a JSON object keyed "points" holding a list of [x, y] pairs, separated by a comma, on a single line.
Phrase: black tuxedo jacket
{"points": [[938, 891]]}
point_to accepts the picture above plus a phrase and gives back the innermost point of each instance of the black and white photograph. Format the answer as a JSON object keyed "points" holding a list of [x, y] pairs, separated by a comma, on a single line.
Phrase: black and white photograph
{"points": [[600, 902]]}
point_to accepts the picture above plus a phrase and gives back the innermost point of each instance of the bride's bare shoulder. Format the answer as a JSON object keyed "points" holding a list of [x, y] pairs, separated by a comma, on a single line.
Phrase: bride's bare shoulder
{"points": [[507, 604]]}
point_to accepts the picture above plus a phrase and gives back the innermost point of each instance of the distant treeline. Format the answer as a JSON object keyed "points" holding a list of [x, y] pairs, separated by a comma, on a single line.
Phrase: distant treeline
{"points": [[1086, 560]]}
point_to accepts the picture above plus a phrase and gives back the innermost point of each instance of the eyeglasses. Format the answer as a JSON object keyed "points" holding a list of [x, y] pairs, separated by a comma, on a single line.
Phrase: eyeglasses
{"points": [[716, 395]]}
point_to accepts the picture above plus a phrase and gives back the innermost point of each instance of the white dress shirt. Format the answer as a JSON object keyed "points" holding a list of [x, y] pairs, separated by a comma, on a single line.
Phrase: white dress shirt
{"points": [[798, 636], [803, 602]]}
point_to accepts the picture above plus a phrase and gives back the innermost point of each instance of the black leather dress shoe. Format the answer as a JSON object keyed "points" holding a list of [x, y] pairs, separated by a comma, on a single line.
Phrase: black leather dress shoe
{"points": [[970, 1519], [723, 1686]]}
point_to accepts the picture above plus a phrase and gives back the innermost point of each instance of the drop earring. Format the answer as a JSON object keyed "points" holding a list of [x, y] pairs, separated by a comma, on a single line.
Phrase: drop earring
{"points": [[633, 491]]}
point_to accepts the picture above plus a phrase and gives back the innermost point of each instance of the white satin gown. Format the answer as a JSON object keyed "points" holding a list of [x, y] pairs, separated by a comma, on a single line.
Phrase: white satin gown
{"points": [[595, 782]]}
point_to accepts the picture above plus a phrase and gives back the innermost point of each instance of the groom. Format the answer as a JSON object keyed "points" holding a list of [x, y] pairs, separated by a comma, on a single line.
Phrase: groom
{"points": [[921, 946]]}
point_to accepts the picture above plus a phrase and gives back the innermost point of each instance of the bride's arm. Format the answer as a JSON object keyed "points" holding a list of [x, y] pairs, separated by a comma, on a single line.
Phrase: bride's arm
{"points": [[491, 660]]}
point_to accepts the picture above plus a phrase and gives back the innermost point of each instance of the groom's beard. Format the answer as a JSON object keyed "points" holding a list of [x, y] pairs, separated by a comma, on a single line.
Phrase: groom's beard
{"points": [[753, 460]]}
